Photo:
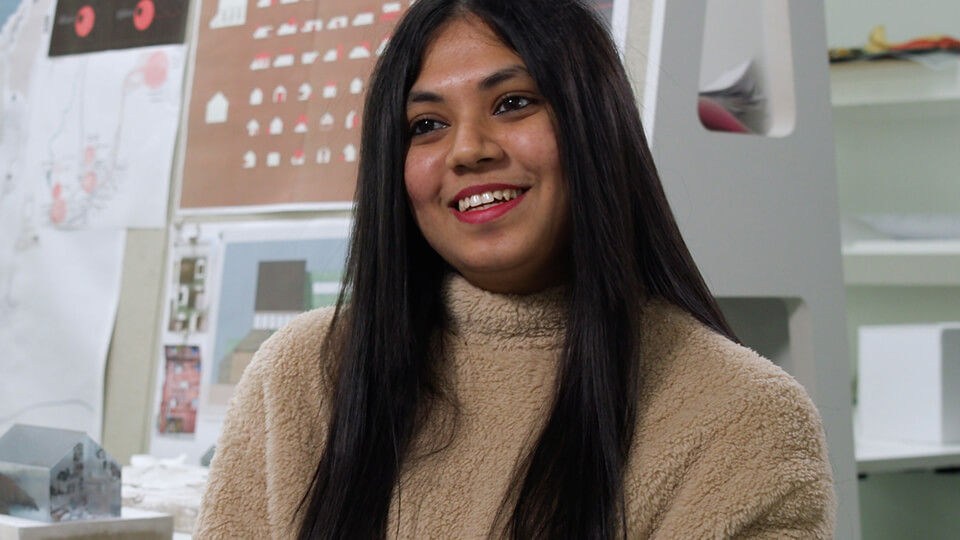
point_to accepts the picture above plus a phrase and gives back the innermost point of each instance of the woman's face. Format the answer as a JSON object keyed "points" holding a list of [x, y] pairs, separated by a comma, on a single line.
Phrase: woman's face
{"points": [[483, 173]]}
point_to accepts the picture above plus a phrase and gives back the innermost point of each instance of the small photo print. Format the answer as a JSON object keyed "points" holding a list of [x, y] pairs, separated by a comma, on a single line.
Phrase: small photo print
{"points": [[188, 302], [181, 390]]}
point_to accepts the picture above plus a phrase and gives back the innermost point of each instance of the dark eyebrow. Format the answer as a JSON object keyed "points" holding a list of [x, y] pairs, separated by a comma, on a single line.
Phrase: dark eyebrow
{"points": [[488, 82]]}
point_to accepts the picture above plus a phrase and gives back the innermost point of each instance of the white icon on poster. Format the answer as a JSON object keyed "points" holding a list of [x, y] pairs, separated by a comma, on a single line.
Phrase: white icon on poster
{"points": [[264, 3], [301, 125], [276, 126], [263, 31], [260, 61], [309, 57], [305, 92], [326, 122], [297, 158], [249, 160], [356, 86], [283, 60], [288, 28], [256, 96], [338, 22], [360, 51], [332, 55], [391, 11], [280, 94], [253, 128], [273, 159], [217, 109], [383, 45], [330, 90], [352, 120], [324, 156], [229, 13], [311, 25], [350, 153], [364, 19]]}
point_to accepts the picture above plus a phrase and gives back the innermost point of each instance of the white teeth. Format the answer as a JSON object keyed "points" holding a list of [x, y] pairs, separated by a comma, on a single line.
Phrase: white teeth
{"points": [[487, 198]]}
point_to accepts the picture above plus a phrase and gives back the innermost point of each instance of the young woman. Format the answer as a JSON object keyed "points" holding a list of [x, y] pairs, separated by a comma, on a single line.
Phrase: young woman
{"points": [[526, 349]]}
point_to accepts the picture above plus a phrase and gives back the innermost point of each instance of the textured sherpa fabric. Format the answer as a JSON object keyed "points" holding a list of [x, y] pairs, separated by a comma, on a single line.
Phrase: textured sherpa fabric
{"points": [[727, 445]]}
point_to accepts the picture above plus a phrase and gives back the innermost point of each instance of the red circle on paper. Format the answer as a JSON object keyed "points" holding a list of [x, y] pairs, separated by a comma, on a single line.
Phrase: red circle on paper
{"points": [[83, 22], [90, 182], [143, 14], [155, 71]]}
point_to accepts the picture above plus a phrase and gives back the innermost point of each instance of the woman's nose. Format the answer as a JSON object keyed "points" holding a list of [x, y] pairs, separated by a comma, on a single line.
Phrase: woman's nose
{"points": [[473, 145]]}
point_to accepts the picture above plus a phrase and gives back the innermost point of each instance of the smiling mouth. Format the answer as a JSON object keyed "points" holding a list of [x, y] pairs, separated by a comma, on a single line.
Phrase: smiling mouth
{"points": [[488, 199]]}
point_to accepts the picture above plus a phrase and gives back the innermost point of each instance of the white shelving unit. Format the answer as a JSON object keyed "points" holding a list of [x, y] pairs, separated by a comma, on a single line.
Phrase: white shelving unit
{"points": [[902, 263], [885, 456], [895, 88]]}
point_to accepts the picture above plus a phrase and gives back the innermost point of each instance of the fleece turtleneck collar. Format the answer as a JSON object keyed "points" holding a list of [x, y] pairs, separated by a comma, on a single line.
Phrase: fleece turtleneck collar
{"points": [[508, 320]]}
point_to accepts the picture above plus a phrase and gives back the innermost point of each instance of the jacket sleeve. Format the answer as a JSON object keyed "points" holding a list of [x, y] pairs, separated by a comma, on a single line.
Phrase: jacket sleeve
{"points": [[235, 503], [762, 473]]}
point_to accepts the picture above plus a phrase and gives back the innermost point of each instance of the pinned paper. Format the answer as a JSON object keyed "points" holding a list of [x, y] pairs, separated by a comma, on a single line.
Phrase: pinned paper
{"points": [[249, 160], [263, 31], [332, 55], [256, 96], [273, 159], [305, 92], [283, 60], [260, 61], [350, 153], [309, 57], [323, 156], [330, 90], [356, 86], [297, 157], [326, 122], [338, 23], [364, 19], [280, 94], [253, 128], [312, 25], [288, 28]]}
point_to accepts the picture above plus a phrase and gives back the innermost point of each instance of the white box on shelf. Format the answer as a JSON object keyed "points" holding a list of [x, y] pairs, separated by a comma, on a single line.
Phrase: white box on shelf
{"points": [[909, 382]]}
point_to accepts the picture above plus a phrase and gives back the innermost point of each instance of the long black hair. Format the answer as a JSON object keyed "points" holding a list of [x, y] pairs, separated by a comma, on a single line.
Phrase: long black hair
{"points": [[624, 245]]}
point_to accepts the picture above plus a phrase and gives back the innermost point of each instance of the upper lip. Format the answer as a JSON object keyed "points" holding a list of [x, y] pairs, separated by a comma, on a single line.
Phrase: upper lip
{"points": [[477, 190]]}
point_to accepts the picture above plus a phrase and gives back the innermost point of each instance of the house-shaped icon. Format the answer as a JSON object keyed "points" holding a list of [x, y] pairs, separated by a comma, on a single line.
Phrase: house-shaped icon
{"points": [[249, 160], [326, 122], [391, 11], [273, 159], [253, 128], [260, 61], [280, 94], [305, 92], [349, 153], [360, 51], [364, 19], [217, 109], [301, 125], [330, 90], [309, 57], [256, 96], [311, 25], [288, 28], [324, 155], [229, 13], [276, 126], [297, 157], [336, 23], [56, 475], [262, 31], [356, 86], [284, 60], [352, 121]]}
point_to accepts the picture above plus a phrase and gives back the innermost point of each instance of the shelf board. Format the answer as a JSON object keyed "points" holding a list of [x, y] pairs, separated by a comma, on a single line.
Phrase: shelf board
{"points": [[875, 456], [902, 262], [895, 88]]}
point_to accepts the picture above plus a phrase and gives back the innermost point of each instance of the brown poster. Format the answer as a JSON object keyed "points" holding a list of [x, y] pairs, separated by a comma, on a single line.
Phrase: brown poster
{"points": [[275, 103]]}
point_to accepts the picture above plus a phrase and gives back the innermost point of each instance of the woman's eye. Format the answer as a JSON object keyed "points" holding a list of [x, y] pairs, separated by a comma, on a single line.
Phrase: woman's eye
{"points": [[512, 103], [424, 126]]}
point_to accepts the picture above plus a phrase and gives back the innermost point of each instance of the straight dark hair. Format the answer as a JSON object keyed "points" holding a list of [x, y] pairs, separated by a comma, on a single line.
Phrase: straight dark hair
{"points": [[624, 247]]}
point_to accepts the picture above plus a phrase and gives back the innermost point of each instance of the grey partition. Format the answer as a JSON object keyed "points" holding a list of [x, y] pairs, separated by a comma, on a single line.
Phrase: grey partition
{"points": [[759, 211]]}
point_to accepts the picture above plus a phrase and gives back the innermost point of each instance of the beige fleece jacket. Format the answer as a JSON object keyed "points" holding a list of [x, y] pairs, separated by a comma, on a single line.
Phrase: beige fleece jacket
{"points": [[727, 444]]}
